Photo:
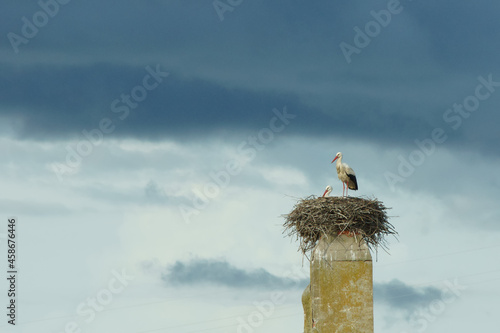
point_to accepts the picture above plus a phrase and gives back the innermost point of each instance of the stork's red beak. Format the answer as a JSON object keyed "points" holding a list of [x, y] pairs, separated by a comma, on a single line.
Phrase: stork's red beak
{"points": [[335, 159], [325, 192]]}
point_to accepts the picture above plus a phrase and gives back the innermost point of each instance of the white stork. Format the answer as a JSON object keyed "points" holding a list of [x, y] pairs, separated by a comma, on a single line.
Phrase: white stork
{"points": [[345, 174], [328, 190]]}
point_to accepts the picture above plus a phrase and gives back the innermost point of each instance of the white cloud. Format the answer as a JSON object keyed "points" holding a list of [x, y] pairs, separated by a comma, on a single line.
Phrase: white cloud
{"points": [[283, 176], [108, 223]]}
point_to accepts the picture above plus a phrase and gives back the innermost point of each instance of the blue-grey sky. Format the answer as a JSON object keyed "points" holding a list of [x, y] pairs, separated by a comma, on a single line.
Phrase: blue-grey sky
{"points": [[150, 148]]}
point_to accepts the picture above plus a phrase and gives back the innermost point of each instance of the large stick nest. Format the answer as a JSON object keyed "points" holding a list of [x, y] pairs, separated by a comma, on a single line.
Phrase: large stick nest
{"points": [[312, 217]]}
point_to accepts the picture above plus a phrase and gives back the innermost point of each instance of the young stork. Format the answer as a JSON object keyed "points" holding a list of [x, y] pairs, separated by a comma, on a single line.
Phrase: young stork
{"points": [[345, 174], [328, 190]]}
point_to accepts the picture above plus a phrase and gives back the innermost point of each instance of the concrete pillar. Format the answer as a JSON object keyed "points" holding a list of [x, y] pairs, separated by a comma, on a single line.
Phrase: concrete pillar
{"points": [[341, 289], [306, 304]]}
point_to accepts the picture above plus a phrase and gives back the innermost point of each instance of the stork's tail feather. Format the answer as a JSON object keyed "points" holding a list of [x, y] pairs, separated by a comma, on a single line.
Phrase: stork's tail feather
{"points": [[353, 184]]}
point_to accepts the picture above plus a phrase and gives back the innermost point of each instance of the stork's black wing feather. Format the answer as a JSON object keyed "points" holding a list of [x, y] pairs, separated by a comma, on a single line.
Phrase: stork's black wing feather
{"points": [[353, 184]]}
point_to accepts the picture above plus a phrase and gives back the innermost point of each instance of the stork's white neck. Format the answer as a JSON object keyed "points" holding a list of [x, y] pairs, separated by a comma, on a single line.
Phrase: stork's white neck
{"points": [[339, 162]]}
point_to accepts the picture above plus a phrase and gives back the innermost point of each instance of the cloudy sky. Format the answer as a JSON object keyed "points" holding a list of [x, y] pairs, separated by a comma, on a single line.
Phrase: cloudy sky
{"points": [[149, 149]]}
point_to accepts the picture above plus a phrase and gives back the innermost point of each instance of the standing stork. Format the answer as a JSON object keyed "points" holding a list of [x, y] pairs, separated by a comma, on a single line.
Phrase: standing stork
{"points": [[345, 174], [328, 190]]}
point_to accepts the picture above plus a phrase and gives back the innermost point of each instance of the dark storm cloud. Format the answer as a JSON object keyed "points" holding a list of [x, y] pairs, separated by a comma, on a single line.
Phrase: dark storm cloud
{"points": [[401, 296], [224, 274], [388, 94], [462, 35], [166, 25], [53, 102]]}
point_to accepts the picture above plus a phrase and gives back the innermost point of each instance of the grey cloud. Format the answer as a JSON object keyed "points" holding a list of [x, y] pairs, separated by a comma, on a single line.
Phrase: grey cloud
{"points": [[154, 193], [222, 273], [394, 293], [401, 296]]}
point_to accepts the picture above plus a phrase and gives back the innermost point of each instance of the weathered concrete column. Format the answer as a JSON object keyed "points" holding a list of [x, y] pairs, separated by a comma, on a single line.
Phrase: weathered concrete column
{"points": [[306, 304], [341, 289]]}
